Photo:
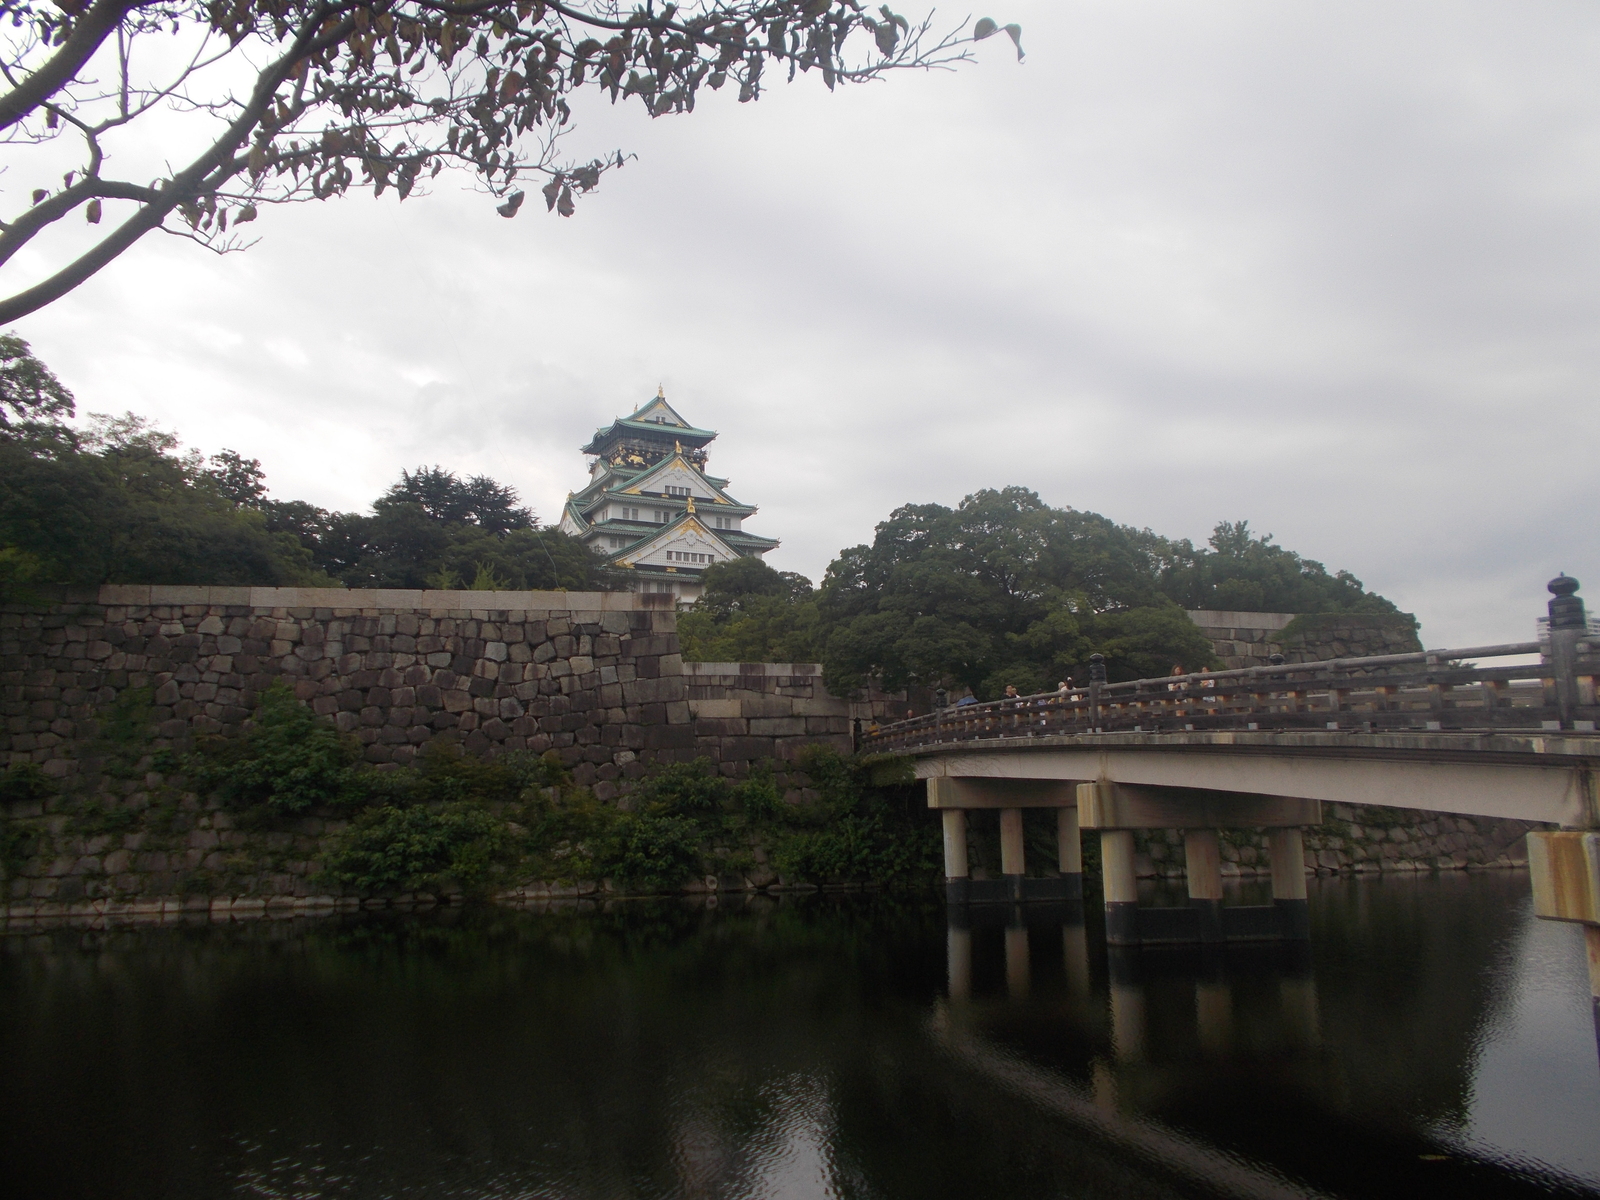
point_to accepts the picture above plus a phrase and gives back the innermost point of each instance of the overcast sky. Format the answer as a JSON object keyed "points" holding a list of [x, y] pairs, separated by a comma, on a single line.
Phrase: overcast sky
{"points": [[1328, 268]]}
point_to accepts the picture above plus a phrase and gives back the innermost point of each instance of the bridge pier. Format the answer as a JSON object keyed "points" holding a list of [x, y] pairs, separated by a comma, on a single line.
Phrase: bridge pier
{"points": [[956, 876], [1013, 854], [955, 797], [1119, 809], [1565, 869]]}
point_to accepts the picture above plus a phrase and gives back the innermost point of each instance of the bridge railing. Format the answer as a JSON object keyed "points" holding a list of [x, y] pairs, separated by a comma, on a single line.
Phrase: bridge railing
{"points": [[1428, 690]]}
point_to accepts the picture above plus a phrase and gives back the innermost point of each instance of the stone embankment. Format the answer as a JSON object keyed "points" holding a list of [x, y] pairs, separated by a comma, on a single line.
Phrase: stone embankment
{"points": [[1358, 840], [1247, 639], [95, 683]]}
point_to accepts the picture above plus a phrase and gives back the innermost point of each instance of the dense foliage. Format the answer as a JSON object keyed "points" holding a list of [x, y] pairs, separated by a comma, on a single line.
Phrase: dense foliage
{"points": [[288, 761], [121, 503], [751, 613], [453, 822], [1003, 589]]}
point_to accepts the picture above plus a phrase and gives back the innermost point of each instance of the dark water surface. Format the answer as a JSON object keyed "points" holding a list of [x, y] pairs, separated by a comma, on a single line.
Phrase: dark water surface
{"points": [[1436, 1040]]}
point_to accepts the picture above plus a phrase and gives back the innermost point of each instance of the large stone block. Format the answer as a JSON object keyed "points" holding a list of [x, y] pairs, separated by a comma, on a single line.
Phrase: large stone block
{"points": [[716, 709], [721, 726], [778, 726], [766, 706], [747, 747], [827, 725], [669, 737], [653, 691]]}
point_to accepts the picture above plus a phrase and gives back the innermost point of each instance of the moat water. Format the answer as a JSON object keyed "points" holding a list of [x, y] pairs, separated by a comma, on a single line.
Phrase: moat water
{"points": [[1435, 1041]]}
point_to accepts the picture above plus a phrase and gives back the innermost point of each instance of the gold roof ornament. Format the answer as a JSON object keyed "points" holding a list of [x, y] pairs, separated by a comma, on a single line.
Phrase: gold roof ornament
{"points": [[690, 506], [677, 445], [661, 391]]}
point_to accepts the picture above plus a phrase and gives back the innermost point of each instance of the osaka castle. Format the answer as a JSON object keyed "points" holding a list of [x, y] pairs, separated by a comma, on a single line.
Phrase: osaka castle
{"points": [[650, 507]]}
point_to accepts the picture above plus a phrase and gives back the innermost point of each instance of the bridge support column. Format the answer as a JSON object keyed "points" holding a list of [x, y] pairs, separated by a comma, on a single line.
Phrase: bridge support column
{"points": [[1013, 856], [956, 877], [1287, 848], [1121, 886], [1069, 851], [959, 795], [1117, 809], [1564, 867], [1591, 938], [1202, 853]]}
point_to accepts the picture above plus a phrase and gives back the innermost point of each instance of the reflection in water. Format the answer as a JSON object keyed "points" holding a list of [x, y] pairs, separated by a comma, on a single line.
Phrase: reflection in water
{"points": [[1433, 1040]]}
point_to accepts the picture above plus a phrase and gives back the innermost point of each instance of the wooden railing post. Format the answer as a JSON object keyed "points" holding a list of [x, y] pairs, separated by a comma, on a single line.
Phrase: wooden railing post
{"points": [[1568, 625], [1097, 679]]}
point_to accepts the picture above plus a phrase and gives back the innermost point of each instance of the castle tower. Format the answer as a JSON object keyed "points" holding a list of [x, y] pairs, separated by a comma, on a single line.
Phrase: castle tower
{"points": [[651, 509]]}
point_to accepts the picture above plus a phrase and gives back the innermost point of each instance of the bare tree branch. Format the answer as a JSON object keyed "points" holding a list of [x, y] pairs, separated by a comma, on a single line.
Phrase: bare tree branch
{"points": [[387, 93], [88, 32]]}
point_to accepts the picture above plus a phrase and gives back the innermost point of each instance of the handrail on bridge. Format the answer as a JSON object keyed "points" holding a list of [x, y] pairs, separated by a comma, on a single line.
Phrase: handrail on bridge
{"points": [[1428, 689]]}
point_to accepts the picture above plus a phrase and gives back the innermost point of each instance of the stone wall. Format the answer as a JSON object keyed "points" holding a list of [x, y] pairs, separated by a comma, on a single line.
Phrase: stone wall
{"points": [[595, 677], [1242, 639], [1358, 840]]}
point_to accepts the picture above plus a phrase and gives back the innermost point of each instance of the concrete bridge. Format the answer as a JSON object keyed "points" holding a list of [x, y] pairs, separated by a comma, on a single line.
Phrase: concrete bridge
{"points": [[1265, 748]]}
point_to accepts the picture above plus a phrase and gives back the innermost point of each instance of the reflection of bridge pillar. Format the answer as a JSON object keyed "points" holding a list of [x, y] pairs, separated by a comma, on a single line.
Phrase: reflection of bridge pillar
{"points": [[1301, 1018], [1213, 1011], [1121, 887], [1202, 854], [1127, 1006], [958, 958], [955, 854], [1013, 861], [1287, 850], [1075, 954], [1019, 975]]}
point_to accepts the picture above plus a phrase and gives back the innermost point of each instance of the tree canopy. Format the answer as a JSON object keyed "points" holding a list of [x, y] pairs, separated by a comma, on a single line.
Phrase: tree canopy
{"points": [[121, 502], [751, 613], [279, 101], [1005, 590], [433, 530]]}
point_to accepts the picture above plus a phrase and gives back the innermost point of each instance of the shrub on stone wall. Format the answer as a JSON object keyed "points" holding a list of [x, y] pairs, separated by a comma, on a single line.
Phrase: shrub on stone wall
{"points": [[419, 848], [856, 830], [287, 762]]}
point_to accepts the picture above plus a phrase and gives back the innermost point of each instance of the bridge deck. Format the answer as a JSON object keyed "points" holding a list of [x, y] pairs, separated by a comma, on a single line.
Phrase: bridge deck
{"points": [[1533, 777]]}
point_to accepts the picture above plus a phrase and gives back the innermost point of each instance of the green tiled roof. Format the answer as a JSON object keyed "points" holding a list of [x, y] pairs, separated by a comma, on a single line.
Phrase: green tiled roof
{"points": [[683, 433]]}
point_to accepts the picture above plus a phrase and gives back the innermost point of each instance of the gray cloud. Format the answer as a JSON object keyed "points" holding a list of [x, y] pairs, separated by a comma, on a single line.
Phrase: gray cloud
{"points": [[1330, 269]]}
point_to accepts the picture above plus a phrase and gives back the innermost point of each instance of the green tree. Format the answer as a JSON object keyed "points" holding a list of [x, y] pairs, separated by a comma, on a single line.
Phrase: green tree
{"points": [[999, 590], [433, 530], [751, 613], [290, 100], [119, 504], [1242, 572], [1006, 590], [32, 400]]}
